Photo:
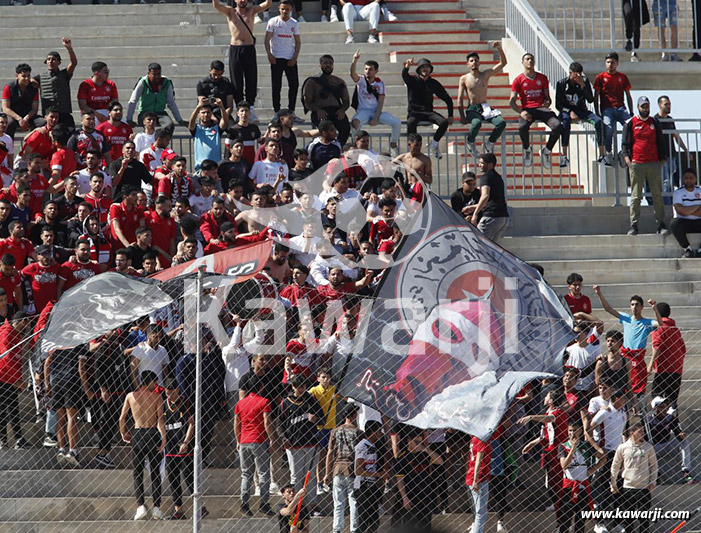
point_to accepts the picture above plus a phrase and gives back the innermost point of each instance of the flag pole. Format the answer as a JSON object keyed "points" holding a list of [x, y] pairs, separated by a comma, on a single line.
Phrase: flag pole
{"points": [[197, 482]]}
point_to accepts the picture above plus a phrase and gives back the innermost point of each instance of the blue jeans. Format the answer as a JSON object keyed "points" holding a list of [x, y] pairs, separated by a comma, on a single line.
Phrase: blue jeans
{"points": [[611, 116], [480, 500], [342, 490], [669, 177], [584, 116]]}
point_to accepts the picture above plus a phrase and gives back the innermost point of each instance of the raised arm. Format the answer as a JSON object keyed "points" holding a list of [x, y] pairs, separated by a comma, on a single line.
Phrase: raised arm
{"points": [[225, 10], [262, 7], [71, 55], [607, 307], [353, 74], [499, 67]]}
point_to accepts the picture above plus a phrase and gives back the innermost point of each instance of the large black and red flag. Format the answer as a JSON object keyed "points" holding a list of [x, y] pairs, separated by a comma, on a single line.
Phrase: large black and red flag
{"points": [[458, 327]]}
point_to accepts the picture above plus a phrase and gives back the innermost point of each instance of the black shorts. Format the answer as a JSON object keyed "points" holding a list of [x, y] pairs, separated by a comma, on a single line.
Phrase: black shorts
{"points": [[68, 395]]}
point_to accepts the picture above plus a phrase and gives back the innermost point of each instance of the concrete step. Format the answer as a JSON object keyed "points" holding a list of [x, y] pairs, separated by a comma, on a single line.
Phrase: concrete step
{"points": [[604, 246], [394, 36], [618, 270]]}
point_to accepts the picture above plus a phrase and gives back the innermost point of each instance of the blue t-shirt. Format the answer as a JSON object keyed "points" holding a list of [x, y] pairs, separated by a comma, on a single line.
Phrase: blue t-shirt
{"points": [[207, 143], [635, 332]]}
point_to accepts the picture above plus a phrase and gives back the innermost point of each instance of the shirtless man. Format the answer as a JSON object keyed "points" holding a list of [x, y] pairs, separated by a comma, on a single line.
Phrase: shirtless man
{"points": [[474, 84], [242, 50], [414, 161], [148, 441]]}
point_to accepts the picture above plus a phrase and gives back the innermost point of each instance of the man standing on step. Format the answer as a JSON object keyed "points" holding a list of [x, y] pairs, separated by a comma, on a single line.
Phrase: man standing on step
{"points": [[474, 84], [421, 89], [492, 203], [54, 84], [242, 50], [153, 93], [282, 44], [645, 151], [148, 440], [533, 90]]}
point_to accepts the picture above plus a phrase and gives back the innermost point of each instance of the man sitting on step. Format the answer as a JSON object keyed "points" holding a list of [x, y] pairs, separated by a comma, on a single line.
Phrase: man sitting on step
{"points": [[532, 89], [687, 212]]}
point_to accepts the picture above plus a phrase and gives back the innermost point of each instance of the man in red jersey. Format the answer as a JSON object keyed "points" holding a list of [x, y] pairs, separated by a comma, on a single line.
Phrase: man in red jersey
{"points": [[96, 93], [125, 217], [43, 276], [63, 160], [73, 272], [577, 301], [177, 183], [97, 199], [533, 90], [88, 138], [210, 223], [17, 245], [163, 229], [644, 149], [38, 184], [610, 87], [39, 141], [11, 282], [115, 131]]}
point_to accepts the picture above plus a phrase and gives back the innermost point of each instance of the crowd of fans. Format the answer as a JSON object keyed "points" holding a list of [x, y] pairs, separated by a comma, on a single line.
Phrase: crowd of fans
{"points": [[78, 201]]}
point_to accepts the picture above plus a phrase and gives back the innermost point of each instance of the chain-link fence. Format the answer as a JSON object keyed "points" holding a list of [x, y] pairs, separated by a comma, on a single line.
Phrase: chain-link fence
{"points": [[65, 465]]}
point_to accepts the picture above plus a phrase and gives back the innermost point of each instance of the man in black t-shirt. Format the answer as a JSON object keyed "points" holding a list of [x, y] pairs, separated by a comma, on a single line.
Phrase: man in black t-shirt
{"points": [[236, 168], [180, 430], [670, 169], [492, 203], [128, 170], [465, 199], [217, 86], [287, 511]]}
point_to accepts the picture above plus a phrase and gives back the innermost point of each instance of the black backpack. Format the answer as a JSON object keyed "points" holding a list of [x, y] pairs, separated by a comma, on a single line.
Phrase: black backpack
{"points": [[371, 89]]}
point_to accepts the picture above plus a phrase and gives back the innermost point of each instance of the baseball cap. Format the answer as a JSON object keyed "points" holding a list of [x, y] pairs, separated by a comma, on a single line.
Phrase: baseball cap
{"points": [[657, 401], [643, 100], [42, 249], [168, 155], [55, 54]]}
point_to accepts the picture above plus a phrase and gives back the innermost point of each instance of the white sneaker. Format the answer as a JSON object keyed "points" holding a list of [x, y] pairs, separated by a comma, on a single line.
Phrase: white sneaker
{"points": [[500, 527], [634, 58], [390, 17], [394, 150], [488, 147], [266, 16], [472, 149], [436, 151], [324, 18], [141, 513], [274, 488], [301, 20], [256, 491], [600, 528], [564, 161], [528, 158], [350, 39], [665, 57], [546, 161], [156, 513], [372, 39], [257, 20], [334, 14]]}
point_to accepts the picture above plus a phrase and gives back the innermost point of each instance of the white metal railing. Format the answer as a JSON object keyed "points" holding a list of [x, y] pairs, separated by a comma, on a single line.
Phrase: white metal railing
{"points": [[528, 30], [600, 25]]}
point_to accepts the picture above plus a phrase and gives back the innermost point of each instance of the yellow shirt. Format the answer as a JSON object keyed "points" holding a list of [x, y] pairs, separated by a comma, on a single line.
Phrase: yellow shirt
{"points": [[327, 400]]}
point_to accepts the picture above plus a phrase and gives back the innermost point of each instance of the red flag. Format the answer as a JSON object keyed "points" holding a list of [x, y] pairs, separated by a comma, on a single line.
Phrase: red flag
{"points": [[242, 261]]}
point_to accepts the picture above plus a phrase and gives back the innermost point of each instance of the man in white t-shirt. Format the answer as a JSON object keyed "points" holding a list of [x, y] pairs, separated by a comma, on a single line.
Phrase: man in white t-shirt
{"points": [[272, 170], [282, 44], [608, 419], [93, 161], [370, 92], [687, 212], [150, 355], [583, 353]]}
